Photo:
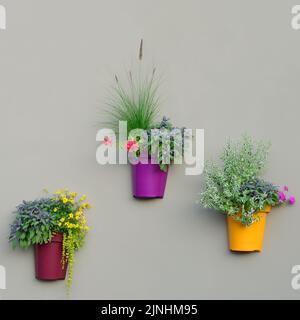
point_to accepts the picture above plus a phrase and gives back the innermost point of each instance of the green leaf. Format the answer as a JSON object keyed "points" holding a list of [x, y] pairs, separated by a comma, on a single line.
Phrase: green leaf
{"points": [[23, 244], [38, 237], [22, 236], [14, 243]]}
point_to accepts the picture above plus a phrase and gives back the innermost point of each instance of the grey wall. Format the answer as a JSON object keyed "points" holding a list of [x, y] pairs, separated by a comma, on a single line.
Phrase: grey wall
{"points": [[229, 67]]}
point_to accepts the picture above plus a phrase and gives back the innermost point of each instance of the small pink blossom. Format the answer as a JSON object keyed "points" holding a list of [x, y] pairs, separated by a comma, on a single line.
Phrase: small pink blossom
{"points": [[107, 141], [132, 146], [285, 188], [282, 196], [292, 200]]}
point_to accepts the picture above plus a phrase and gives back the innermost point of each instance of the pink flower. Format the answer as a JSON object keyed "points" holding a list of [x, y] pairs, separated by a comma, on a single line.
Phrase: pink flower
{"points": [[285, 188], [132, 146], [107, 141], [282, 196], [292, 200]]}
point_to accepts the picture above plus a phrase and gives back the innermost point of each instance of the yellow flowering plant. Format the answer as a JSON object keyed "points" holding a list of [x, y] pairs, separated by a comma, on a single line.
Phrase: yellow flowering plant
{"points": [[69, 212]]}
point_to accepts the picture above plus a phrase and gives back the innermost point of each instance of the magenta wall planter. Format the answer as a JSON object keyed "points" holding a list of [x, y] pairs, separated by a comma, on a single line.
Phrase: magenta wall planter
{"points": [[48, 260], [148, 181]]}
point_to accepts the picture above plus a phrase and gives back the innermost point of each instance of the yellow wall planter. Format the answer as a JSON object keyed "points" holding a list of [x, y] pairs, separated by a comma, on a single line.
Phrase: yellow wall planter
{"points": [[247, 239]]}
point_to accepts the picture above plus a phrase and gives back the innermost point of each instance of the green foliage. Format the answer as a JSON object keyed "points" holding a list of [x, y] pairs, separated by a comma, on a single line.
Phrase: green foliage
{"points": [[256, 196], [245, 159], [135, 102], [233, 187], [164, 142], [68, 254], [33, 223], [166, 152]]}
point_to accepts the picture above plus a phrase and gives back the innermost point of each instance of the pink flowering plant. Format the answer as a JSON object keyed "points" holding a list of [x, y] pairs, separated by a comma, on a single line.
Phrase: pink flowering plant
{"points": [[284, 198], [235, 186], [133, 146]]}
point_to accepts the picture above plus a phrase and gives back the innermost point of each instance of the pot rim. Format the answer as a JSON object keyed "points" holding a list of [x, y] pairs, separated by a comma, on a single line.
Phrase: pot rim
{"points": [[58, 237]]}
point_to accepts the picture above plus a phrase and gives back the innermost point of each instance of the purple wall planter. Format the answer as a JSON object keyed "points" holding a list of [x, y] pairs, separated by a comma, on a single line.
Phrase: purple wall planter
{"points": [[48, 260], [148, 181]]}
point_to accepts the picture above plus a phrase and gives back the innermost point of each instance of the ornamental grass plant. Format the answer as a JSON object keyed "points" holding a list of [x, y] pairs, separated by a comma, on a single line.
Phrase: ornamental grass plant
{"points": [[136, 101]]}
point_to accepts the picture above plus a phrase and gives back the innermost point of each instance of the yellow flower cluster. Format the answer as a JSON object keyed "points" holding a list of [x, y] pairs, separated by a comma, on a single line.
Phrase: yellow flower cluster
{"points": [[76, 219], [66, 196]]}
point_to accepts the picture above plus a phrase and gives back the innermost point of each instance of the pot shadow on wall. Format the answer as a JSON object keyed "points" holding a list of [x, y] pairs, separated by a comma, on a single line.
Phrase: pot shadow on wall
{"points": [[211, 225]]}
